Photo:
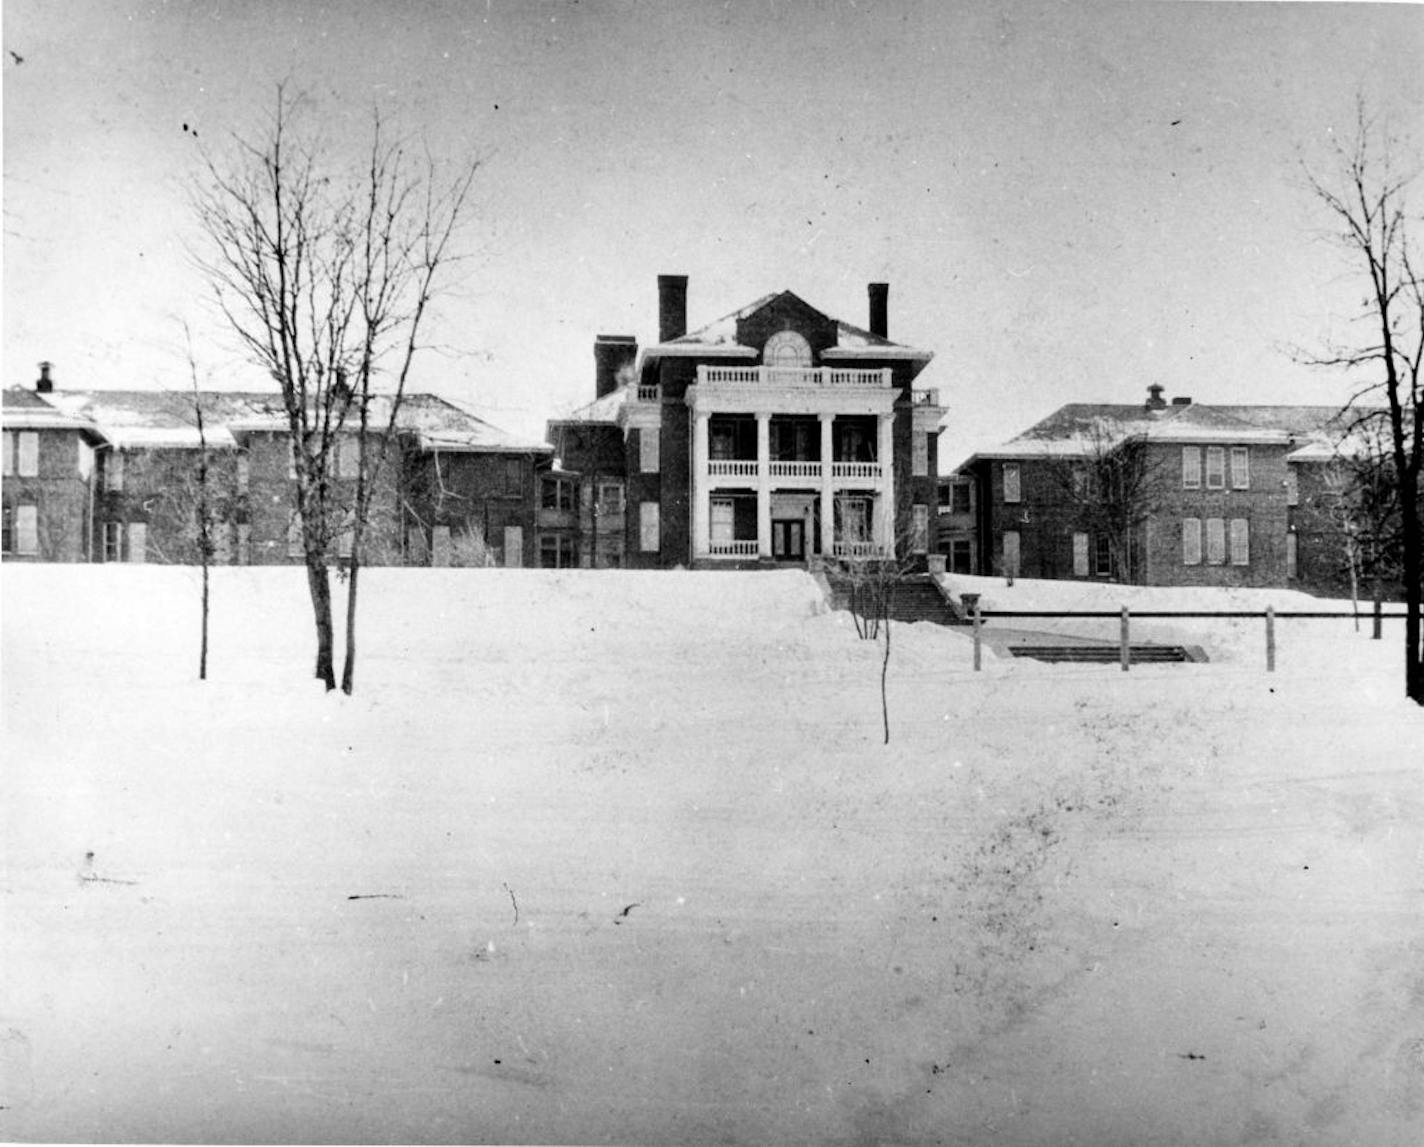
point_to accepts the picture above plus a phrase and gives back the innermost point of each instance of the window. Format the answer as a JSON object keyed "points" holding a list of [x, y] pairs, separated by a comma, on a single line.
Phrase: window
{"points": [[959, 502], [114, 472], [557, 552], [1102, 556], [1191, 541], [1080, 555], [920, 528], [1240, 542], [723, 520], [1215, 468], [1292, 487], [1191, 468], [1215, 542], [113, 541], [961, 556], [29, 454], [1080, 481], [295, 548], [557, 494], [9, 453], [1240, 468], [513, 476], [1012, 492], [138, 542], [1292, 557], [786, 348], [921, 459], [27, 530], [648, 453], [86, 459], [649, 527], [440, 551], [244, 544], [7, 534], [244, 472], [610, 498]]}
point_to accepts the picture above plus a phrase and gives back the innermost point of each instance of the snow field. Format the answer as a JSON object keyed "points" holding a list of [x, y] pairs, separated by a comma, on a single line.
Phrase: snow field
{"points": [[619, 857]]}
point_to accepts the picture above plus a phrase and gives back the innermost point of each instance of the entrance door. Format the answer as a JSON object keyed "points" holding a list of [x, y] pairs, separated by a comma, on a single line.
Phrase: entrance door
{"points": [[788, 539]]}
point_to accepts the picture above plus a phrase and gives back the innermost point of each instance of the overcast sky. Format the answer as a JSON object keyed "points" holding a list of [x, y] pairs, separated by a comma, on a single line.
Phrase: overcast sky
{"points": [[1069, 200]]}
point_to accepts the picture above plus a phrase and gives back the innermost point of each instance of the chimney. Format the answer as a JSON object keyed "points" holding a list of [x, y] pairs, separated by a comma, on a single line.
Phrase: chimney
{"points": [[611, 354], [1182, 400], [880, 309], [44, 384], [672, 307], [1154, 397]]}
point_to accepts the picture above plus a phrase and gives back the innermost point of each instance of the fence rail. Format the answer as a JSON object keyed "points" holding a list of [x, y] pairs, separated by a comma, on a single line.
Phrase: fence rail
{"points": [[1125, 615]]}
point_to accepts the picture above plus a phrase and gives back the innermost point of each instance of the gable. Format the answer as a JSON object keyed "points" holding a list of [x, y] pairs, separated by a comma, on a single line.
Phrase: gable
{"points": [[787, 312]]}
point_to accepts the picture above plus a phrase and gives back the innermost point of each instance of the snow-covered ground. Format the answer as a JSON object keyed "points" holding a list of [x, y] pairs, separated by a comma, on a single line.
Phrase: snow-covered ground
{"points": [[620, 857]]}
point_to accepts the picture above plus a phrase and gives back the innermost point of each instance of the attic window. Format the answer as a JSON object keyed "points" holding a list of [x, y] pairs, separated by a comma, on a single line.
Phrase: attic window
{"points": [[786, 348]]}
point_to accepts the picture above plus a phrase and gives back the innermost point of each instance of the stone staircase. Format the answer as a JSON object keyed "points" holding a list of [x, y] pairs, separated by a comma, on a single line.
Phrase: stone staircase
{"points": [[917, 598]]}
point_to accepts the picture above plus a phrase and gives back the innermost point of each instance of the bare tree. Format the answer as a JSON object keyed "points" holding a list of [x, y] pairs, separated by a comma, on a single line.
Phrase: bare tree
{"points": [[326, 276], [1367, 198], [1112, 488]]}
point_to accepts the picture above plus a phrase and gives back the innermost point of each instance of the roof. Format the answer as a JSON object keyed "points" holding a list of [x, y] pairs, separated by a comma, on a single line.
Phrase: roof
{"points": [[23, 409], [1079, 429], [720, 337], [159, 418], [600, 410]]}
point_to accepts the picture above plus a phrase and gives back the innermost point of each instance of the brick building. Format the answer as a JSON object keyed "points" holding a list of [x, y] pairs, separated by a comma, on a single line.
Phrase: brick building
{"points": [[774, 434], [111, 476], [1222, 501]]}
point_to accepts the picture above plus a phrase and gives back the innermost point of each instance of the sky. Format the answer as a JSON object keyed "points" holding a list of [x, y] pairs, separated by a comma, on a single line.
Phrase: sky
{"points": [[1070, 201]]}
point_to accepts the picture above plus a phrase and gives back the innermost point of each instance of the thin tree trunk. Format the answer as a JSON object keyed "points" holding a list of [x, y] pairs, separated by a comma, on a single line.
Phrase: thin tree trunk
{"points": [[1413, 573], [203, 643], [885, 670], [320, 586], [348, 668]]}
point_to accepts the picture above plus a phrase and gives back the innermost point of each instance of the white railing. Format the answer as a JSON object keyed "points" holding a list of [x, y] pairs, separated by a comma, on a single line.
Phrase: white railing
{"points": [[795, 469], [737, 549], [793, 376], [649, 393], [732, 468], [855, 470], [858, 549]]}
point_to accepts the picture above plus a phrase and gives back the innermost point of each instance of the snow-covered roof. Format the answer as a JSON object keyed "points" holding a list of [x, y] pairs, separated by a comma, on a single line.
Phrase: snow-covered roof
{"points": [[22, 409], [438, 424], [604, 409]]}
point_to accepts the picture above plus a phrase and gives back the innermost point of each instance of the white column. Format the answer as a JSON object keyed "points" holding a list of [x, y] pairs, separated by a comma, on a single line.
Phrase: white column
{"points": [[828, 489], [886, 457], [763, 421], [701, 494]]}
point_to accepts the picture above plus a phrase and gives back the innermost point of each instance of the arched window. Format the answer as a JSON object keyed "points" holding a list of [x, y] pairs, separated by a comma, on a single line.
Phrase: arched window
{"points": [[786, 348]]}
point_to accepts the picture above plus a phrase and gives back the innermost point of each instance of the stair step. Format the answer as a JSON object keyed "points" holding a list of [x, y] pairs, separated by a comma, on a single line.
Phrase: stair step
{"points": [[1103, 654]]}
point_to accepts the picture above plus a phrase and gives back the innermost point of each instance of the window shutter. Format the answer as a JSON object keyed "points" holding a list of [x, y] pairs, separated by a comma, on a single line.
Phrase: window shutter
{"points": [[1080, 555], [649, 527], [1191, 541], [29, 454], [9, 455], [1292, 556], [921, 538], [440, 546], [1240, 542], [1215, 541], [1011, 553], [648, 450], [27, 530], [922, 455], [138, 542]]}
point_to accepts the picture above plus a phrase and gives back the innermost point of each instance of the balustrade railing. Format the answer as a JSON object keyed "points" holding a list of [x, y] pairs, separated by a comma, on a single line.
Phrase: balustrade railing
{"points": [[795, 469], [732, 468], [733, 549], [794, 376], [855, 470]]}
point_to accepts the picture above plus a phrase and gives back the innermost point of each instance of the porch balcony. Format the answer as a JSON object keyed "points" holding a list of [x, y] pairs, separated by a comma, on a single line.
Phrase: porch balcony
{"points": [[844, 549], [648, 393], [793, 377], [734, 549]]}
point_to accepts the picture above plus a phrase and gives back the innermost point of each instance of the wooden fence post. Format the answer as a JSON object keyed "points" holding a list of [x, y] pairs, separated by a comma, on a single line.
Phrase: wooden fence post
{"points": [[1126, 650], [1270, 639], [1379, 614]]}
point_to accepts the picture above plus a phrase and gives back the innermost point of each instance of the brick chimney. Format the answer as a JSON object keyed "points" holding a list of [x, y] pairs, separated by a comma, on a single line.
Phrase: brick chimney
{"points": [[44, 384], [672, 307], [1154, 397], [611, 353], [880, 309]]}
